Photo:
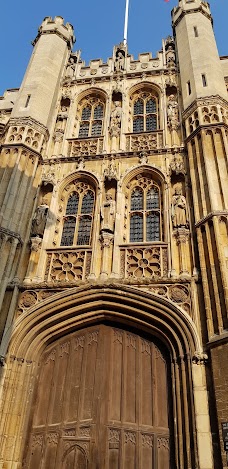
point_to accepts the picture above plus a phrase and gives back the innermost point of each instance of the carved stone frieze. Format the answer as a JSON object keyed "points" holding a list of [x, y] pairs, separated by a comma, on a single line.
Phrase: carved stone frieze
{"points": [[29, 298], [144, 262], [68, 266], [177, 293], [144, 142], [85, 147]]}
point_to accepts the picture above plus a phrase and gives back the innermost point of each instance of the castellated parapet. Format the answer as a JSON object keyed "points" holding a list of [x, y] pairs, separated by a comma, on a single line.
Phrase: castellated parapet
{"points": [[56, 26], [39, 89]]}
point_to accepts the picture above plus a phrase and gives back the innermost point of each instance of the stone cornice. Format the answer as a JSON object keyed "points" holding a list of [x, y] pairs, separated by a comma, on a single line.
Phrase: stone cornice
{"points": [[190, 11], [10, 234], [102, 283], [205, 127], [206, 101], [30, 121], [21, 145], [116, 156], [216, 213], [217, 340]]}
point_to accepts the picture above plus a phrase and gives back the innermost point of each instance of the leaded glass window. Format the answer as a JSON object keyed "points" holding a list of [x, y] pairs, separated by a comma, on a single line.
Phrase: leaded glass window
{"points": [[72, 204], [137, 199], [86, 113], [96, 128], [78, 219], [138, 125], [145, 113], [68, 231], [139, 107], [136, 228], [145, 211], [92, 115], [84, 230]]}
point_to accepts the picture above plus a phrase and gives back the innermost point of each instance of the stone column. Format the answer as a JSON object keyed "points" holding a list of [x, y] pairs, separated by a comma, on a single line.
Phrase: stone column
{"points": [[204, 440]]}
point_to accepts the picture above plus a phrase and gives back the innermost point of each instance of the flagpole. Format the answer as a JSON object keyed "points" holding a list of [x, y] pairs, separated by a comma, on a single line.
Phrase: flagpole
{"points": [[126, 22]]}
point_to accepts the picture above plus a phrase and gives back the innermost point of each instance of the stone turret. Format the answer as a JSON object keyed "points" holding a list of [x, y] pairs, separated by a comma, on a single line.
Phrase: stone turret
{"points": [[200, 68], [38, 92]]}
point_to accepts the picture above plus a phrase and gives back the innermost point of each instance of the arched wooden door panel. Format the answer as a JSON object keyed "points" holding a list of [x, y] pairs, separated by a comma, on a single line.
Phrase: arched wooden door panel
{"points": [[101, 402]]}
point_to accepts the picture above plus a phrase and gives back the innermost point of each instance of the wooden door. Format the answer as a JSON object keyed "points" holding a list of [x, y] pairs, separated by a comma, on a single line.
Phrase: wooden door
{"points": [[101, 403]]}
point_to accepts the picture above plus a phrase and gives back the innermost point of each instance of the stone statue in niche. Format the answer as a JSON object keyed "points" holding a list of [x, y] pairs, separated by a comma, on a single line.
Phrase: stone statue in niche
{"points": [[173, 113], [108, 211], [70, 70], [40, 219], [179, 214], [115, 126], [119, 61], [170, 57], [115, 121]]}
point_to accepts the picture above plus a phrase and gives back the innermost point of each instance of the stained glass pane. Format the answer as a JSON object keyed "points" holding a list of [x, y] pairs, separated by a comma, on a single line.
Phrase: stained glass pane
{"points": [[84, 129], [151, 106], [68, 231], [153, 227], [96, 128], [138, 125], [98, 112], [86, 113], [137, 199], [138, 107], [84, 230], [152, 199], [87, 202], [136, 228], [72, 204], [151, 123]]}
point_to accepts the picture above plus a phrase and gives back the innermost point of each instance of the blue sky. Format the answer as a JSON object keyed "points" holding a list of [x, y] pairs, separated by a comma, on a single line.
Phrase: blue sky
{"points": [[98, 27]]}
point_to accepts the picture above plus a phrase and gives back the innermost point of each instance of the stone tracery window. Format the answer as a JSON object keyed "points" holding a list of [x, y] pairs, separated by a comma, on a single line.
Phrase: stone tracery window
{"points": [[78, 218], [91, 117], [145, 112], [145, 211]]}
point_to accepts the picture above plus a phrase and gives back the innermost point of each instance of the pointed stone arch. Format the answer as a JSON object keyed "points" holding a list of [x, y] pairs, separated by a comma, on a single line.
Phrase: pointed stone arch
{"points": [[85, 306]]}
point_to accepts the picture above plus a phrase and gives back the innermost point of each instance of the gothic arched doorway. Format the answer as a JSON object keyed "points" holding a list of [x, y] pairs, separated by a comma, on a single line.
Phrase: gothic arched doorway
{"points": [[101, 401]]}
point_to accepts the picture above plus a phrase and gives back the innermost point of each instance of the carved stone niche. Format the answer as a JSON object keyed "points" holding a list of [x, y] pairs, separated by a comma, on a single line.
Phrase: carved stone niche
{"points": [[41, 215], [173, 118], [179, 212], [119, 58], [170, 52], [71, 66], [177, 166], [115, 121], [64, 106]]}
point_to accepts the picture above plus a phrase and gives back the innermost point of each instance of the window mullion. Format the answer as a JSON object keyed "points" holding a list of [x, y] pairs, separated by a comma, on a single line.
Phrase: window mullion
{"points": [[77, 216]]}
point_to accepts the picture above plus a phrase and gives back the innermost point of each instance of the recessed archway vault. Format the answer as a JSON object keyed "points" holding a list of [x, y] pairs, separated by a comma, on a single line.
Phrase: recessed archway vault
{"points": [[77, 308]]}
